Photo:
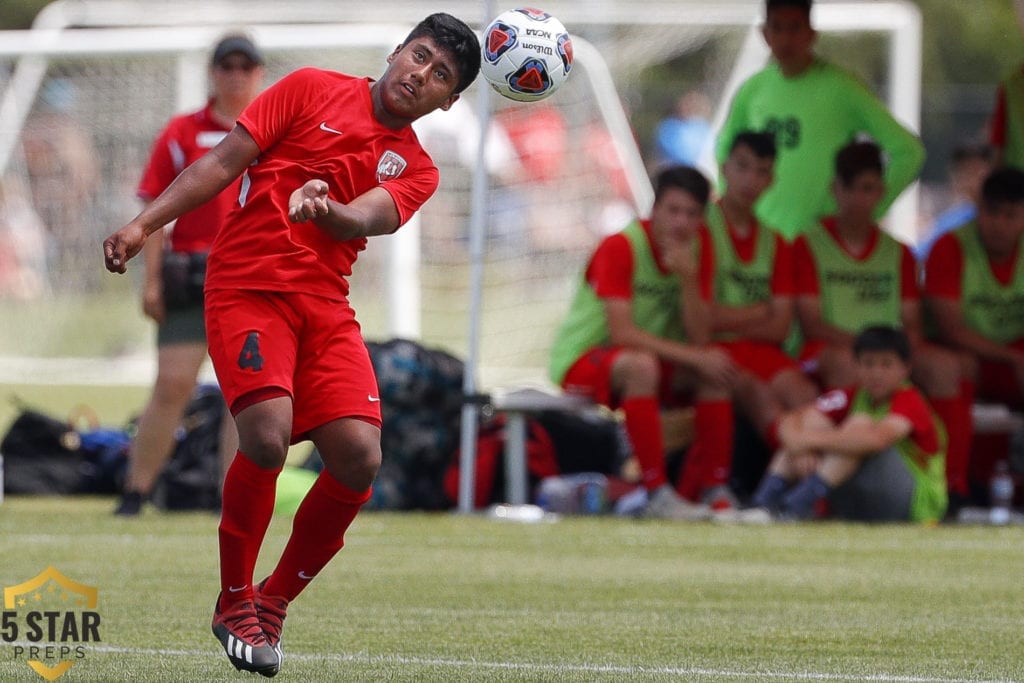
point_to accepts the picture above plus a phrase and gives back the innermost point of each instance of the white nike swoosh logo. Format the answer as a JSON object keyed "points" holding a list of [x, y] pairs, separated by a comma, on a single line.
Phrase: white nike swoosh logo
{"points": [[372, 399], [325, 127], [232, 589], [304, 577]]}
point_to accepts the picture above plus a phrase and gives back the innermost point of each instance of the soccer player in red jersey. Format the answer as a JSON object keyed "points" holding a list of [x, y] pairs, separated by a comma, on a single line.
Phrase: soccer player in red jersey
{"points": [[174, 302], [874, 451], [636, 337], [974, 291], [327, 160], [850, 275], [753, 290]]}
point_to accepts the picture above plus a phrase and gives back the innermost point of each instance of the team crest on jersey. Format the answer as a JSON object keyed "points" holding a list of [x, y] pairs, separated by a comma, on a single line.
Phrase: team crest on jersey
{"points": [[390, 166]]}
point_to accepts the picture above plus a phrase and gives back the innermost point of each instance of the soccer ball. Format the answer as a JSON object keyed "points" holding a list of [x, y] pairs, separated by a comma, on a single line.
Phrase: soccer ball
{"points": [[527, 54]]}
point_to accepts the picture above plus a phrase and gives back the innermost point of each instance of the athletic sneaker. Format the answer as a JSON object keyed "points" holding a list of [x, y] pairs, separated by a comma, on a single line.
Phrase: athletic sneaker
{"points": [[271, 611], [665, 503], [239, 632], [726, 508], [130, 504]]}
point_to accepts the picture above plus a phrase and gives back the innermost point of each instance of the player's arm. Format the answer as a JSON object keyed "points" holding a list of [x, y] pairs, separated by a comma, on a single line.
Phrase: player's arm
{"points": [[857, 435], [735, 121], [194, 186], [814, 326], [622, 331], [912, 321], [371, 213], [953, 329], [152, 284], [903, 149], [767, 321], [693, 263], [944, 299]]}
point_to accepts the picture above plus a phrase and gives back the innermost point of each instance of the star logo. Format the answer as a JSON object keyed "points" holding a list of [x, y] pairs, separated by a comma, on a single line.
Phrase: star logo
{"points": [[56, 616]]}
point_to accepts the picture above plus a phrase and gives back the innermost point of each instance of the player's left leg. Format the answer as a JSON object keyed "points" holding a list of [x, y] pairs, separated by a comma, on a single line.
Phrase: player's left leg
{"points": [[336, 406], [708, 465], [350, 449]]}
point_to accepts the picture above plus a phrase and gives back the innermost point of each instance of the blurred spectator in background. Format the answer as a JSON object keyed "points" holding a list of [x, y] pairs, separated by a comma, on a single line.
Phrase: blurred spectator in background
{"points": [[172, 292], [813, 108], [851, 275], [636, 337], [873, 451], [754, 293], [64, 176], [974, 292], [1007, 126], [969, 167], [23, 243], [681, 136], [539, 133]]}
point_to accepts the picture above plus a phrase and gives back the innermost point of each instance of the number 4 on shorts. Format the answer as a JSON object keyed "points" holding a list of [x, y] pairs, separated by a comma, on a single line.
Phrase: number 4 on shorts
{"points": [[250, 357]]}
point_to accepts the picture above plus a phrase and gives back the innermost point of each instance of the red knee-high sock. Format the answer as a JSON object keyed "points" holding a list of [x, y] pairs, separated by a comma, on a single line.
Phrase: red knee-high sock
{"points": [[247, 505], [643, 426], [709, 461], [955, 413], [318, 533]]}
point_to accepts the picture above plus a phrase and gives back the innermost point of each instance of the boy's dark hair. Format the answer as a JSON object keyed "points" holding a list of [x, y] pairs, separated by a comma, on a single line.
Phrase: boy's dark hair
{"points": [[685, 178], [760, 143], [882, 338], [458, 39], [776, 4], [856, 158], [1003, 186]]}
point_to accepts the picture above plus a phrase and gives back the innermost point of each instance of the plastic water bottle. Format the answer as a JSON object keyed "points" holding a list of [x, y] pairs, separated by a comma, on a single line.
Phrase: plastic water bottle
{"points": [[556, 494], [583, 493], [1000, 493], [592, 493]]}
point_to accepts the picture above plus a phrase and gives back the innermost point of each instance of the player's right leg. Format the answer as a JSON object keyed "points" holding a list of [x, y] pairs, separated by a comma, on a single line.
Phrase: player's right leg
{"points": [[253, 345]]}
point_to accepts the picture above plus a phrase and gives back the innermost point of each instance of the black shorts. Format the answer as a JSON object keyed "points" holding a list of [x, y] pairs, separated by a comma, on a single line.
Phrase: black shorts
{"points": [[182, 325]]}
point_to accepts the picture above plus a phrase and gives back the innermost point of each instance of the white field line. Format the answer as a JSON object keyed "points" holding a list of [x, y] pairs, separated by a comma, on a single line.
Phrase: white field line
{"points": [[365, 658]]}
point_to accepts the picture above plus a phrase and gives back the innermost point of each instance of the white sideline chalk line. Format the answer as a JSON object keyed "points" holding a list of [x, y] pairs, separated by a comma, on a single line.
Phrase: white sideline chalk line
{"points": [[595, 668]]}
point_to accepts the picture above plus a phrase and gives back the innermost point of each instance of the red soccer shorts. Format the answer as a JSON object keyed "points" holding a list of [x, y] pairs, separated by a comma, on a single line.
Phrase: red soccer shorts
{"points": [[591, 375], [760, 359], [301, 345]]}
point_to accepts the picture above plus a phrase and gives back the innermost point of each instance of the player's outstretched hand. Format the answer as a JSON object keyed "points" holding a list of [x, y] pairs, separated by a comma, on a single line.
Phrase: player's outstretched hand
{"points": [[121, 246], [308, 202]]}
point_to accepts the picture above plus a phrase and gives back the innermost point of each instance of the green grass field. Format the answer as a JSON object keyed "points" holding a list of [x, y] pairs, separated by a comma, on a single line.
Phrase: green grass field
{"points": [[417, 597]]}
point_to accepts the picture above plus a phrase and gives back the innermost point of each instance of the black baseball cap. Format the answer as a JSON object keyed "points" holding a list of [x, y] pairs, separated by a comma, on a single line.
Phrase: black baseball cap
{"points": [[236, 43]]}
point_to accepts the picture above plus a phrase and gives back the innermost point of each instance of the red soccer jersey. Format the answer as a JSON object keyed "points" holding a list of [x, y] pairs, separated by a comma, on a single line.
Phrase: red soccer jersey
{"points": [[907, 402], [610, 271], [186, 138], [807, 272], [943, 274], [313, 124]]}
